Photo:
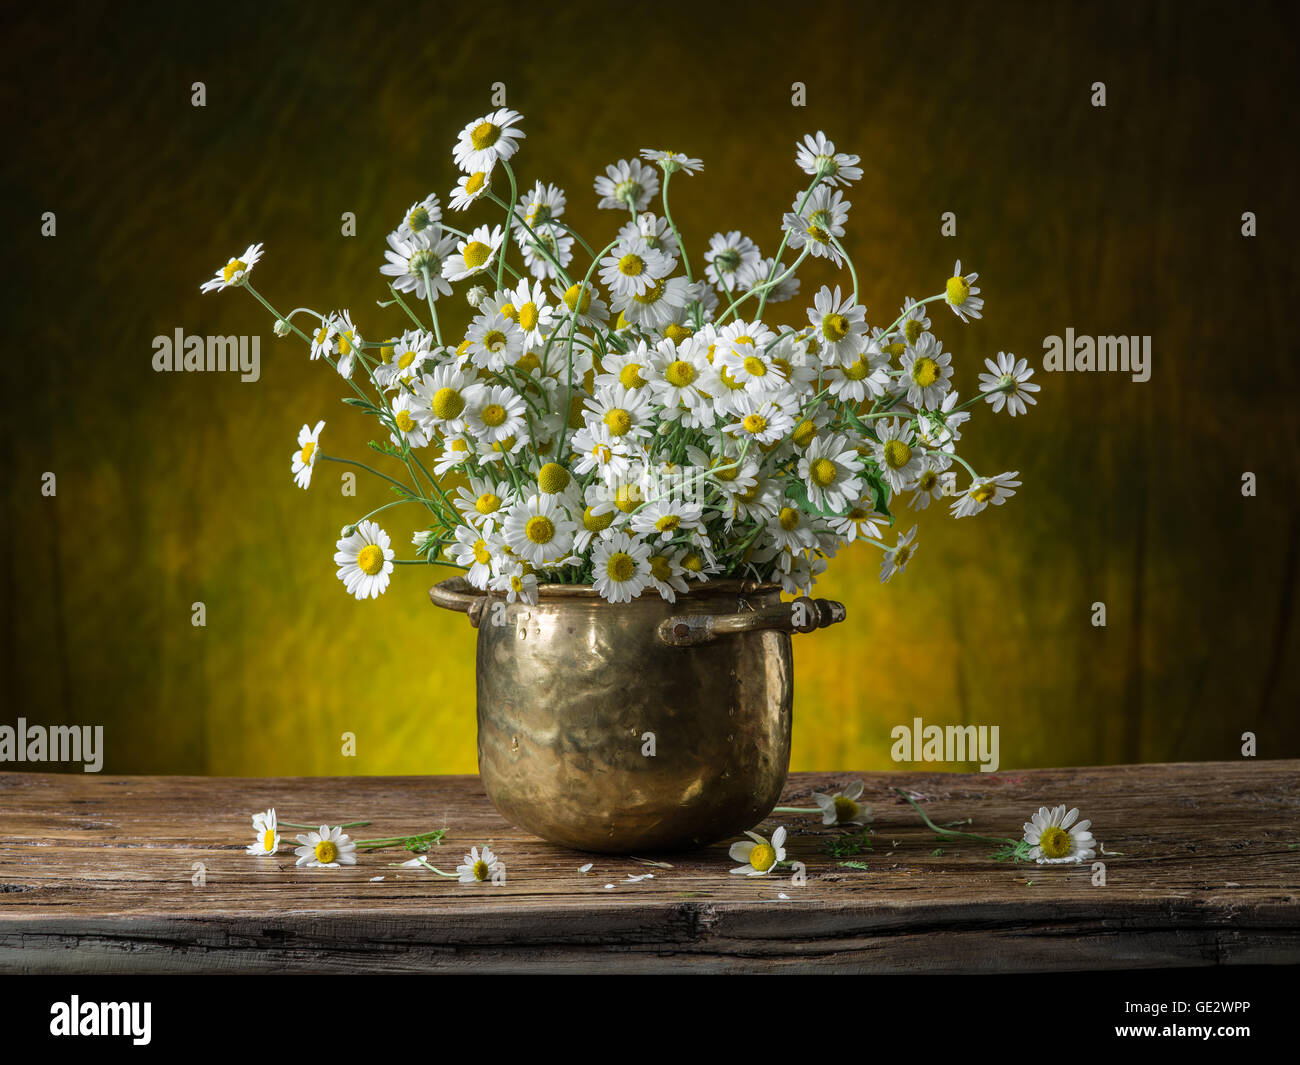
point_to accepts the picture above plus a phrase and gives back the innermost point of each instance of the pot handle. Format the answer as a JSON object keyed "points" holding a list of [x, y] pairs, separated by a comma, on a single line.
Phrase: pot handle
{"points": [[798, 615], [456, 593]]}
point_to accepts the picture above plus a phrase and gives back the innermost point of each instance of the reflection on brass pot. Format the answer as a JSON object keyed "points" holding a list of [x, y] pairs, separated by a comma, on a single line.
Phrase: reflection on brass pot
{"points": [[635, 727]]}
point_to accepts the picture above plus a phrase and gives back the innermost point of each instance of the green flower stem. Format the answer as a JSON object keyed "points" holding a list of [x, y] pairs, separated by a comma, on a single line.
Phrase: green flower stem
{"points": [[575, 235], [510, 217], [433, 311], [918, 303], [765, 286], [368, 469], [424, 864], [316, 827], [969, 469], [537, 240], [573, 317], [796, 809], [785, 240], [848, 262], [952, 831], [681, 244]]}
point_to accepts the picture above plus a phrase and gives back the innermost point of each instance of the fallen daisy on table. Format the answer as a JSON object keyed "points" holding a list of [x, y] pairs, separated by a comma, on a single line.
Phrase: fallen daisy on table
{"points": [[1059, 838], [760, 856], [268, 840], [838, 808], [327, 849]]}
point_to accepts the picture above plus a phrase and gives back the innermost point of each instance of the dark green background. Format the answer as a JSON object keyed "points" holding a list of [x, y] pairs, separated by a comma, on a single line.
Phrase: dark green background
{"points": [[1125, 220]]}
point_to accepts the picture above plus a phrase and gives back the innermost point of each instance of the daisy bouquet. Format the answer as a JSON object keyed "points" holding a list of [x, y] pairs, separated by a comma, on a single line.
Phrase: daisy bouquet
{"points": [[628, 417]]}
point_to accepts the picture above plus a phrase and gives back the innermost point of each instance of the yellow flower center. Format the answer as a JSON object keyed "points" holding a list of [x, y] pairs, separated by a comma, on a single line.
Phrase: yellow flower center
{"points": [[651, 295], [447, 403], [754, 423], [1055, 842], [725, 469], [577, 297], [345, 342], [693, 562], [630, 376], [481, 553], [405, 360], [824, 472], [668, 522], [231, 268], [845, 809], [789, 519], [755, 367], [957, 290], [676, 333], [485, 135], [803, 433], [835, 327], [326, 851], [481, 870], [928, 480], [859, 370], [925, 371], [627, 498], [268, 840], [540, 529], [370, 559], [897, 454], [494, 415], [762, 857], [631, 265], [488, 503], [912, 330], [596, 522], [621, 567], [475, 181], [553, 478], [679, 373], [619, 421], [983, 493], [418, 219], [494, 340], [308, 449], [660, 568], [476, 254], [508, 311], [529, 317], [404, 421]]}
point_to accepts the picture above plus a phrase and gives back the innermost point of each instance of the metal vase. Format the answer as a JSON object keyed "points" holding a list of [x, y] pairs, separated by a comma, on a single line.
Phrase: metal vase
{"points": [[635, 727]]}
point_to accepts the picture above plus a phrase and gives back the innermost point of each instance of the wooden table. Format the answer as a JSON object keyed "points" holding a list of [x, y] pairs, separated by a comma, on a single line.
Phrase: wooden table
{"points": [[97, 875]]}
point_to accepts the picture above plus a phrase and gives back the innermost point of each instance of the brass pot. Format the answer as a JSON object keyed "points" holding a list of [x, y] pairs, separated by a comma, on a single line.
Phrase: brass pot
{"points": [[635, 727]]}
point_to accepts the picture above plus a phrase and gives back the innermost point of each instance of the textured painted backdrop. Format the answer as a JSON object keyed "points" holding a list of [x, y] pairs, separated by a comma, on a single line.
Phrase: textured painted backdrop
{"points": [[176, 489]]}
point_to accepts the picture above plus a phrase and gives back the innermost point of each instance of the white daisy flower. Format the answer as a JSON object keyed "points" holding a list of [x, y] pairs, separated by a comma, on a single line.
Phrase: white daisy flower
{"points": [[539, 530], [759, 418], [829, 469], [327, 849], [542, 205], [785, 288], [595, 447], [408, 409], [495, 341], [422, 216], [733, 261], [760, 856], [663, 520], [304, 459], [1008, 384], [939, 430], [268, 838], [1055, 838], [930, 483], [996, 490], [488, 139], [417, 257], [322, 341], [517, 580], [897, 557], [627, 185], [365, 561], [660, 305], [927, 372], [822, 218], [543, 253], [841, 326], [667, 575], [404, 358], [632, 267], [790, 529], [696, 560], [443, 396], [895, 453], [671, 162], [597, 520], [654, 231], [914, 320], [469, 188], [842, 807], [456, 451], [484, 502], [817, 156], [474, 254], [347, 342], [962, 295], [526, 305], [626, 412], [860, 521], [474, 550], [676, 374], [495, 413], [582, 302], [234, 272], [478, 868], [622, 567]]}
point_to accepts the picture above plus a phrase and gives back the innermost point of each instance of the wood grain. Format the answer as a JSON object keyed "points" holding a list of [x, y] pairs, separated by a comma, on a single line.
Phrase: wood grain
{"points": [[95, 876]]}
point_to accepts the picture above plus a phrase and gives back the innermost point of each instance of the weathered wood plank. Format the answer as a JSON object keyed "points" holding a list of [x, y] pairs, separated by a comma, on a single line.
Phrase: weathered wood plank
{"points": [[95, 875]]}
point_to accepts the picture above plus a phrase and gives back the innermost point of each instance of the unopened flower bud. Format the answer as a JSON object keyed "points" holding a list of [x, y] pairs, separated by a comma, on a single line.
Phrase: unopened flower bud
{"points": [[281, 327]]}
